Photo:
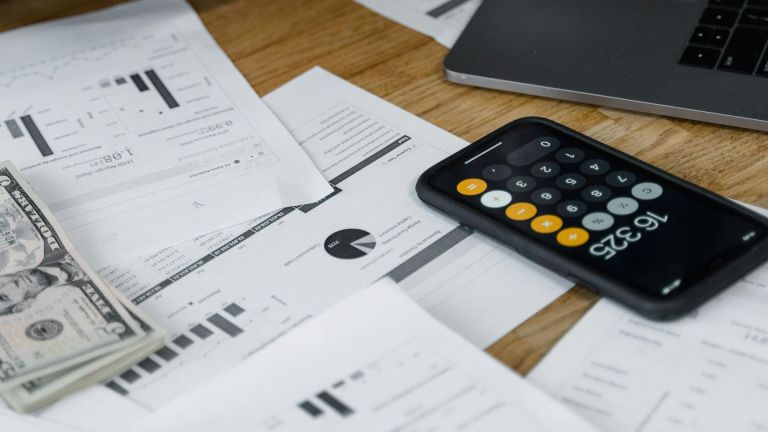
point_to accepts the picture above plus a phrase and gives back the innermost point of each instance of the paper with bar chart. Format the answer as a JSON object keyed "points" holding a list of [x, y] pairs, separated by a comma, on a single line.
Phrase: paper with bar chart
{"points": [[138, 131], [413, 375]]}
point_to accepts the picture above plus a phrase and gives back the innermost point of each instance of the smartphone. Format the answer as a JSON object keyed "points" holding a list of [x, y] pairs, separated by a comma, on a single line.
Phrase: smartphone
{"points": [[603, 219]]}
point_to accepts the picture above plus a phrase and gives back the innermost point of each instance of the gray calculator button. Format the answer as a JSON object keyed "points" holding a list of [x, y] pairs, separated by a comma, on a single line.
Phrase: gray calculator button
{"points": [[546, 196], [647, 191], [596, 194], [533, 151], [622, 206], [597, 221], [569, 155], [595, 167], [497, 172], [571, 208], [496, 199], [571, 181], [619, 179], [521, 184], [545, 169]]}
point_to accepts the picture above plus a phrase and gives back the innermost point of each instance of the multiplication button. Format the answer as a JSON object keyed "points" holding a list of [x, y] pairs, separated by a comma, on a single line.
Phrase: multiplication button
{"points": [[647, 191], [597, 221], [546, 196], [497, 172], [622, 206], [521, 184], [496, 199], [546, 224]]}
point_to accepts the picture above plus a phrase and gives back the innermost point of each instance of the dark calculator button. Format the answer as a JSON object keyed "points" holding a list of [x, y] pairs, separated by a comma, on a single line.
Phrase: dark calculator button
{"points": [[700, 57], [497, 172], [736, 4], [571, 181], [595, 167], [719, 36], [521, 184], [571, 208], [596, 194], [719, 17], [569, 155], [546, 196], [743, 50], [619, 179], [754, 17], [701, 35], [533, 151], [545, 169]]}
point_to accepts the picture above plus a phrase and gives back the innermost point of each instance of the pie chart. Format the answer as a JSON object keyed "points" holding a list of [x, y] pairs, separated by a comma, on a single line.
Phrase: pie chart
{"points": [[350, 243]]}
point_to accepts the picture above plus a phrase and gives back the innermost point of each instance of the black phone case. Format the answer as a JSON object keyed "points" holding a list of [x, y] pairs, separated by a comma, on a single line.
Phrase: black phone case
{"points": [[652, 307]]}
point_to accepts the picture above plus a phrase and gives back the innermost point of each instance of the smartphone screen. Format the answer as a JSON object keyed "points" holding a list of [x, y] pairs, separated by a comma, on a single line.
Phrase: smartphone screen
{"points": [[599, 208]]}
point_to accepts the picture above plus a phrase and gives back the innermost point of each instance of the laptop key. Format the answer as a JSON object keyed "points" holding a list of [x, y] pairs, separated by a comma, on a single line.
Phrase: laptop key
{"points": [[718, 38], [754, 17], [743, 51], [736, 4], [719, 17], [701, 57], [701, 36]]}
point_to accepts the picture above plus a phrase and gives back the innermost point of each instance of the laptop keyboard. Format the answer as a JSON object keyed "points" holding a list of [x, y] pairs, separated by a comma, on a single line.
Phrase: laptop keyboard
{"points": [[731, 36]]}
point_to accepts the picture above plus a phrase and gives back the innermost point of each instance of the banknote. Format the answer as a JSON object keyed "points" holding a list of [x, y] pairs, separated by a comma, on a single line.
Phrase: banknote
{"points": [[55, 312]]}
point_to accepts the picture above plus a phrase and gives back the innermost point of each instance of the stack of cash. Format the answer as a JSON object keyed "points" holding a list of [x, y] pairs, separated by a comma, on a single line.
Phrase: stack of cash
{"points": [[61, 327]]}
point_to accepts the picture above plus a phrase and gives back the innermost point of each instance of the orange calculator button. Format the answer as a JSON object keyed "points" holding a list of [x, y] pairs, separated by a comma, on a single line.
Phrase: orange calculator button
{"points": [[521, 211], [572, 237], [472, 186], [546, 224]]}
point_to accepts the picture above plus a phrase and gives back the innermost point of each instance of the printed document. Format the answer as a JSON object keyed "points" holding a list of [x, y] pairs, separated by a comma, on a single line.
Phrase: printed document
{"points": [[444, 20], [376, 362], [138, 132], [705, 372], [224, 297]]}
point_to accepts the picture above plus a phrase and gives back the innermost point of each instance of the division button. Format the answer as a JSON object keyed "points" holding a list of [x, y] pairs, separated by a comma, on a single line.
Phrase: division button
{"points": [[471, 187], [497, 172], [571, 181], [546, 196], [572, 237], [546, 224], [595, 167], [521, 184], [496, 199], [619, 179], [569, 155], [597, 221], [545, 169], [571, 208], [596, 194], [622, 206], [647, 191], [521, 211]]}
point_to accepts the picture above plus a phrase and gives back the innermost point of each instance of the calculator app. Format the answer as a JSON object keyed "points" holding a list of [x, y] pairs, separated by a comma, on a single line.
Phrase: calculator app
{"points": [[603, 210]]}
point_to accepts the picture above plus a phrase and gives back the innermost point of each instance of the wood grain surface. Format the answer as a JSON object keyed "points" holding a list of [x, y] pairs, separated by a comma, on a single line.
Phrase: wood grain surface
{"points": [[272, 41]]}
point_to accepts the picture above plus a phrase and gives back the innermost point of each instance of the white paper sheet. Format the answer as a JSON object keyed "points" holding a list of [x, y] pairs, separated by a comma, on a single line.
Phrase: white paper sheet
{"points": [[225, 297], [139, 132], [375, 362], [705, 372], [444, 20]]}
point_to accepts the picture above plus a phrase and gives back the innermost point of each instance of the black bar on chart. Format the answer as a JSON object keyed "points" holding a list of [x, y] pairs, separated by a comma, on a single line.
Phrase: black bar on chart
{"points": [[14, 129], [224, 325], [234, 309], [130, 376], [183, 342], [201, 331], [116, 387], [334, 403], [36, 136], [149, 365], [166, 353], [139, 81], [162, 89], [120, 81], [311, 409]]}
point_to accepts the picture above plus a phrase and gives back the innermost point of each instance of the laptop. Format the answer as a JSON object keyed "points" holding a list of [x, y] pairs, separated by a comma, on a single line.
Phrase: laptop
{"points": [[701, 60]]}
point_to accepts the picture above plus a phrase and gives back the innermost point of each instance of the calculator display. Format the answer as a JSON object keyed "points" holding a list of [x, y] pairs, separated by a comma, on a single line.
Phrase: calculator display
{"points": [[601, 209]]}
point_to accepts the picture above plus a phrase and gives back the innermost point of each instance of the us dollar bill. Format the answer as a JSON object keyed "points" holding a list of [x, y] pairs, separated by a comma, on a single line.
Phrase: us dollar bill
{"points": [[55, 311]]}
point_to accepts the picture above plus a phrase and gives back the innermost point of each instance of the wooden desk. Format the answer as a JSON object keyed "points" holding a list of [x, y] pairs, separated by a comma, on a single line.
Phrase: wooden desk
{"points": [[272, 41]]}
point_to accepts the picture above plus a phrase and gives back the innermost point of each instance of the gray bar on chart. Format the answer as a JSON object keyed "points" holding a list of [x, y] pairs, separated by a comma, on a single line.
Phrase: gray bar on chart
{"points": [[14, 129], [130, 376], [139, 82], [234, 309], [162, 89], [183, 342], [149, 365], [337, 405], [311, 409], [225, 325], [445, 8], [166, 353], [428, 254], [116, 387], [120, 81], [37, 137], [201, 331]]}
